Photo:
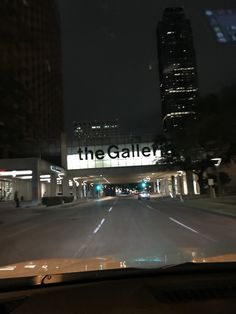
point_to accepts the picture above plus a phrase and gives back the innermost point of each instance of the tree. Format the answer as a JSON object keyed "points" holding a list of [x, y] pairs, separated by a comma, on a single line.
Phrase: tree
{"points": [[224, 179], [217, 124]]}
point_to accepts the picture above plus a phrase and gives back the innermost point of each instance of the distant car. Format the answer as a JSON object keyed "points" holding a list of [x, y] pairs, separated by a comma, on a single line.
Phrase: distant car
{"points": [[144, 196], [124, 193]]}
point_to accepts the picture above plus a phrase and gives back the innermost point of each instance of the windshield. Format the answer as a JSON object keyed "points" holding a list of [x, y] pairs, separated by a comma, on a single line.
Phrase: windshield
{"points": [[117, 134]]}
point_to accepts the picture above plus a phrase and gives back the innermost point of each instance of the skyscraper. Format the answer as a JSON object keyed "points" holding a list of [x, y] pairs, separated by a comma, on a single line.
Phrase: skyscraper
{"points": [[177, 69], [31, 97]]}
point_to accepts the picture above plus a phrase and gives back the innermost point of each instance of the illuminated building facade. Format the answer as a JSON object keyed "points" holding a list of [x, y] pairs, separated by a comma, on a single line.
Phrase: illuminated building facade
{"points": [[177, 69]]}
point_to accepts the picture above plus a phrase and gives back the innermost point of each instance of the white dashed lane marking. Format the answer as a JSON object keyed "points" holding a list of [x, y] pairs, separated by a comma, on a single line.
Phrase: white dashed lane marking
{"points": [[99, 226], [179, 223]]}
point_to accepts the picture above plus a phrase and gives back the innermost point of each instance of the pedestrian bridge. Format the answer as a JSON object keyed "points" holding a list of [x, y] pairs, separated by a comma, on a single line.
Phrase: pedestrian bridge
{"points": [[115, 163]]}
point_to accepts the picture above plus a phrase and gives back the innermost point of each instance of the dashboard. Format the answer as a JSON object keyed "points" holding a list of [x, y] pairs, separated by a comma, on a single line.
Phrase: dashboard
{"points": [[189, 288]]}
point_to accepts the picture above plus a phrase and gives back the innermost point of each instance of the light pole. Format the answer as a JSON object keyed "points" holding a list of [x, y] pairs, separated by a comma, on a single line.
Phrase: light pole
{"points": [[212, 189], [180, 180], [217, 164]]}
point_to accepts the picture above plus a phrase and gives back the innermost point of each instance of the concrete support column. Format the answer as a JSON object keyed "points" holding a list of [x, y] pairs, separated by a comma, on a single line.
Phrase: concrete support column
{"points": [[163, 187], [173, 186], [84, 189], [158, 187], [80, 190], [89, 190], [180, 186], [36, 182], [65, 186], [154, 184], [196, 184], [167, 191], [189, 179], [53, 185], [74, 190]]}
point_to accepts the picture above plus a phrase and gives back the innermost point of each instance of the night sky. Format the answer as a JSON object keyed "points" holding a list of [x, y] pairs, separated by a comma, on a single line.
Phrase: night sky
{"points": [[110, 61]]}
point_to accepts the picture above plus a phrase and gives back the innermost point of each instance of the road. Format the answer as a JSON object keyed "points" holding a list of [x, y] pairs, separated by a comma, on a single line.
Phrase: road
{"points": [[121, 227]]}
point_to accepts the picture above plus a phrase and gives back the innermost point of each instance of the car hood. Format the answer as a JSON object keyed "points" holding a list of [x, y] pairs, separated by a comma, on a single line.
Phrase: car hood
{"points": [[45, 267]]}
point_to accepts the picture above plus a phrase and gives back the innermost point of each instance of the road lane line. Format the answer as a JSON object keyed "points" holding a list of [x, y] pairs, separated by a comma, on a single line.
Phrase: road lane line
{"points": [[99, 226], [89, 239], [110, 209], [154, 209], [179, 223]]}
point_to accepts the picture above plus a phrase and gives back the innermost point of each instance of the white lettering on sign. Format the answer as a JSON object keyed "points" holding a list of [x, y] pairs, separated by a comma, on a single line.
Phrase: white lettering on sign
{"points": [[107, 156]]}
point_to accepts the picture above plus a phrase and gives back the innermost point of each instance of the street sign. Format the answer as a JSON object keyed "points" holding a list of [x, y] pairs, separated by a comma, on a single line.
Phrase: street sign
{"points": [[57, 169]]}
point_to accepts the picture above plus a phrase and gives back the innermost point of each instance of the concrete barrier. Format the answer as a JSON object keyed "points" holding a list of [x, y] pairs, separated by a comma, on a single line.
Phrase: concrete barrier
{"points": [[56, 200]]}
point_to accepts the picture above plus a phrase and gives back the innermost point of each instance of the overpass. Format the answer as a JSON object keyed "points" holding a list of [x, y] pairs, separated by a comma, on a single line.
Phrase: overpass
{"points": [[121, 164]]}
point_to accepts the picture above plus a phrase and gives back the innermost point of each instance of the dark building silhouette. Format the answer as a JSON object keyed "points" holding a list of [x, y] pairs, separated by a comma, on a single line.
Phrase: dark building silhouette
{"points": [[177, 68], [31, 118]]}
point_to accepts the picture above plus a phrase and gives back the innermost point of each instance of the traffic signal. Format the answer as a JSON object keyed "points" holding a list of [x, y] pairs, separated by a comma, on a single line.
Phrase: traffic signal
{"points": [[98, 187]]}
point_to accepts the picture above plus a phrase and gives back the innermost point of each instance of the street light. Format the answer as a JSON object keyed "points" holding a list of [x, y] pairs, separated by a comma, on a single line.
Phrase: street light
{"points": [[218, 161], [180, 180], [217, 164]]}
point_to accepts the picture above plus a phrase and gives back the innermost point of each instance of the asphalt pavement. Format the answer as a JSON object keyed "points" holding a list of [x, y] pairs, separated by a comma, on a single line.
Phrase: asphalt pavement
{"points": [[121, 227]]}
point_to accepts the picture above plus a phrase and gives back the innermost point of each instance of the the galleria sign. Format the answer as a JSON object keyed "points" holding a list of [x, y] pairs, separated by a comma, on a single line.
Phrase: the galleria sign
{"points": [[114, 151], [106, 156]]}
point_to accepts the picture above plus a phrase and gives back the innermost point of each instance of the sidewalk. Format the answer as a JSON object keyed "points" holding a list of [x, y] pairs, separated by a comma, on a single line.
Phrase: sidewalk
{"points": [[224, 205], [8, 205]]}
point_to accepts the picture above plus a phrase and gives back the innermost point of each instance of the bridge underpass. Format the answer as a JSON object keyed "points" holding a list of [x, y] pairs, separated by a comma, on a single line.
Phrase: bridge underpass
{"points": [[119, 175], [164, 183]]}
